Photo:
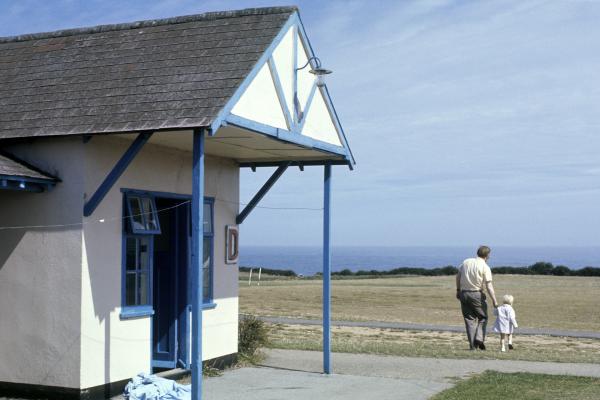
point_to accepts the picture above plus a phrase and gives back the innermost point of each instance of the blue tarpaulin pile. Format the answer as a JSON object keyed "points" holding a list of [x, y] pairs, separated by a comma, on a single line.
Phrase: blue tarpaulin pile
{"points": [[151, 387]]}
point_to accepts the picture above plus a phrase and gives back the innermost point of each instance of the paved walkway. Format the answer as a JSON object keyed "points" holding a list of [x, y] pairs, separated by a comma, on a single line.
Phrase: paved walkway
{"points": [[295, 375], [426, 327]]}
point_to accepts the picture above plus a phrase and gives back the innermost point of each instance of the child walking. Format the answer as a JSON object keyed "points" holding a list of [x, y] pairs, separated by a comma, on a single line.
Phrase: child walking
{"points": [[505, 322]]}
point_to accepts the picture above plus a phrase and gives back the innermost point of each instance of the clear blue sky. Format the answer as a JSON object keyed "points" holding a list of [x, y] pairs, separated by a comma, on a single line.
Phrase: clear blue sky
{"points": [[471, 122]]}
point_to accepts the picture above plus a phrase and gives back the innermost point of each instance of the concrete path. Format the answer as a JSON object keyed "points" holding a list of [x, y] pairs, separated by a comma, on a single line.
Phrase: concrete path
{"points": [[442, 370], [295, 375], [426, 327]]}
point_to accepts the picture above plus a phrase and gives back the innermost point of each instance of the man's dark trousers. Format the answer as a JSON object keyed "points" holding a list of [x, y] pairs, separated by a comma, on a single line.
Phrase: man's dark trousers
{"points": [[474, 310]]}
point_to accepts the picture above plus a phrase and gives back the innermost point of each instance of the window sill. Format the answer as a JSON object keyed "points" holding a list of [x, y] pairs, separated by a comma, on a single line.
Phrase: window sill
{"points": [[205, 306], [136, 312]]}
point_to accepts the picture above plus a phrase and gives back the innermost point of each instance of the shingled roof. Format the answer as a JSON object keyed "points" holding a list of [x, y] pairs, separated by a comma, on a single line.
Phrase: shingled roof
{"points": [[11, 166], [159, 74]]}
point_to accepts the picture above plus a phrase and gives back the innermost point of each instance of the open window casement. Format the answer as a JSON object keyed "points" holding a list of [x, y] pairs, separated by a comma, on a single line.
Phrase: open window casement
{"points": [[142, 215]]}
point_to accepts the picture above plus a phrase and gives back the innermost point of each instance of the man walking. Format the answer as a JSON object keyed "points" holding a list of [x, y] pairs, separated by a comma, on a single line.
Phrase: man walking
{"points": [[473, 276]]}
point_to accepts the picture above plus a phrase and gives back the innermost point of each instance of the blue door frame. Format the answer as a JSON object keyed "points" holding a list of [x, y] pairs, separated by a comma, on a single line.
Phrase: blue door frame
{"points": [[170, 300]]}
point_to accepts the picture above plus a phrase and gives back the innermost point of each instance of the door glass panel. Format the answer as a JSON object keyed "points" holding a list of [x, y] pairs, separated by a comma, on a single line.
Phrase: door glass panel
{"points": [[137, 221], [149, 214], [130, 254], [130, 289], [206, 268], [143, 288], [207, 218], [144, 253]]}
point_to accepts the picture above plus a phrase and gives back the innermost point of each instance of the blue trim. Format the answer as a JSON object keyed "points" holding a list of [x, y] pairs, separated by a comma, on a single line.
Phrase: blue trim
{"points": [[19, 178], [136, 312], [300, 164], [164, 364], [209, 306], [285, 136], [327, 270], [208, 299], [223, 114], [26, 184], [261, 193], [115, 173], [280, 95], [150, 271], [169, 195], [155, 194], [197, 260], [338, 124]]}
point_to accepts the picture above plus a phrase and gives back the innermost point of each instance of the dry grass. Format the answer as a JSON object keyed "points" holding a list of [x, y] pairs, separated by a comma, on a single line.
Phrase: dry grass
{"points": [[540, 301], [433, 344]]}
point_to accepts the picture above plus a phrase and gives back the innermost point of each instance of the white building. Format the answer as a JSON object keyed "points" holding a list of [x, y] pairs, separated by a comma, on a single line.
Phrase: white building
{"points": [[109, 136]]}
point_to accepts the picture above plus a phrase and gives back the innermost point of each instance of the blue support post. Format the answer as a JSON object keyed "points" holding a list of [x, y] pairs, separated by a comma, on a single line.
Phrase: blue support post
{"points": [[115, 173], [261, 193], [197, 261], [327, 270]]}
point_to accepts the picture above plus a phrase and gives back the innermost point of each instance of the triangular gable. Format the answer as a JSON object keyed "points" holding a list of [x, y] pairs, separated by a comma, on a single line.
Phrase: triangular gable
{"points": [[277, 94]]}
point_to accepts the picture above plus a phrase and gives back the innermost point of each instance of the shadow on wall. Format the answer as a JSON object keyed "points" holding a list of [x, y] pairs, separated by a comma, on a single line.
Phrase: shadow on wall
{"points": [[36, 272]]}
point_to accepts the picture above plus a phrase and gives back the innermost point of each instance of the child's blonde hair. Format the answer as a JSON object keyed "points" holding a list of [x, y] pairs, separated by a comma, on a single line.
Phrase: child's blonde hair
{"points": [[508, 299]]}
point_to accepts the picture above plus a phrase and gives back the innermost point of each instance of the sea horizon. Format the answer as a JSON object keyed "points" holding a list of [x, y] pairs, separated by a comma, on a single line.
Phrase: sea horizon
{"points": [[307, 260]]}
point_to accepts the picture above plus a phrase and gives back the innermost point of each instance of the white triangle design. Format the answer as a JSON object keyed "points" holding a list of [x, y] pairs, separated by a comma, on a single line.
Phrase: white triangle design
{"points": [[318, 124], [260, 103]]}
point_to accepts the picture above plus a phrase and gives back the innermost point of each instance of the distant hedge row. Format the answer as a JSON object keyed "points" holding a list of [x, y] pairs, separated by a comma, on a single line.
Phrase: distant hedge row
{"points": [[539, 268]]}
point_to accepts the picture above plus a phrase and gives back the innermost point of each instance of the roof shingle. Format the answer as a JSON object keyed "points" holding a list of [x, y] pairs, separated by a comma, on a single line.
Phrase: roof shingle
{"points": [[159, 74], [13, 167]]}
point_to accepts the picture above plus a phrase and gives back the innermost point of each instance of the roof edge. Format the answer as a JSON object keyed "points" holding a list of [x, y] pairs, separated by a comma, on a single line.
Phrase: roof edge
{"points": [[13, 158], [208, 16]]}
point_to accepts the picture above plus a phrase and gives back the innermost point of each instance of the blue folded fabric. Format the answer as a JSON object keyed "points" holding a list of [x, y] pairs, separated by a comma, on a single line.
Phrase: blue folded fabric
{"points": [[151, 387]]}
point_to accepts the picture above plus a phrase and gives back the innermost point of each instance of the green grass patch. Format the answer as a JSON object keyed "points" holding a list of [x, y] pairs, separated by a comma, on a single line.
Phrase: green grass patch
{"points": [[523, 386]]}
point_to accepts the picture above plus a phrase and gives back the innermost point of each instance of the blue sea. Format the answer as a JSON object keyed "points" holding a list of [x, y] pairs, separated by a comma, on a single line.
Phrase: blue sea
{"points": [[308, 260]]}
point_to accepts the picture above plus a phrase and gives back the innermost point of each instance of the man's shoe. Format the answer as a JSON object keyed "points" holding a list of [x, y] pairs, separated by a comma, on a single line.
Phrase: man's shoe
{"points": [[510, 347], [480, 345]]}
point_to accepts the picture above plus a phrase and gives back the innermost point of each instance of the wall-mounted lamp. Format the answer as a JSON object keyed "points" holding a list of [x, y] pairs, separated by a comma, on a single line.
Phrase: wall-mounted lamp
{"points": [[318, 71]]}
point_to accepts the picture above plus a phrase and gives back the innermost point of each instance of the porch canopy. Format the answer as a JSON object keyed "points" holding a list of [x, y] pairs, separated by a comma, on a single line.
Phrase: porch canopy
{"points": [[16, 174], [244, 82]]}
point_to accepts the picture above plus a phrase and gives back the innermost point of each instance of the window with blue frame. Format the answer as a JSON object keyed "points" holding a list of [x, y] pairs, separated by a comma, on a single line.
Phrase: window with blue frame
{"points": [[142, 214], [138, 259], [140, 227], [141, 224]]}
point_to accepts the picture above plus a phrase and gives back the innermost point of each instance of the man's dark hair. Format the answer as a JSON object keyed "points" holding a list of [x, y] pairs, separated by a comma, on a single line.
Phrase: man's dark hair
{"points": [[483, 251]]}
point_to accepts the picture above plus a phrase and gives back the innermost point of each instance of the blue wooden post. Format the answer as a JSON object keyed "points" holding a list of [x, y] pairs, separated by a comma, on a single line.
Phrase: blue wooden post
{"points": [[197, 261], [327, 271]]}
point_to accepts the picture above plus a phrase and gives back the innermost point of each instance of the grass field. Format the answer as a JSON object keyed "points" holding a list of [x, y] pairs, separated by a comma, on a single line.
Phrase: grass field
{"points": [[523, 386], [540, 301], [433, 344]]}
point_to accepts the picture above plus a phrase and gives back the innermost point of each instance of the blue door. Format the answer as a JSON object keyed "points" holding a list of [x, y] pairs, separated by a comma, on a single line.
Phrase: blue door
{"points": [[169, 347]]}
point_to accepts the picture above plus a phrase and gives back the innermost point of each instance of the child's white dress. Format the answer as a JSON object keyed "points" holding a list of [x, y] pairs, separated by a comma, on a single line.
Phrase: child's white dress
{"points": [[505, 319]]}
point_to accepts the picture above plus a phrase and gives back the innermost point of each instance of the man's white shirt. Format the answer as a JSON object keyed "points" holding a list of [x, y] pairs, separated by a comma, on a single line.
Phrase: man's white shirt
{"points": [[474, 274]]}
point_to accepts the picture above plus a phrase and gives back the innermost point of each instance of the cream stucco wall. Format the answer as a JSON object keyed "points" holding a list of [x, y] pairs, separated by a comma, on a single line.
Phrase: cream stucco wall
{"points": [[112, 348], [40, 270]]}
